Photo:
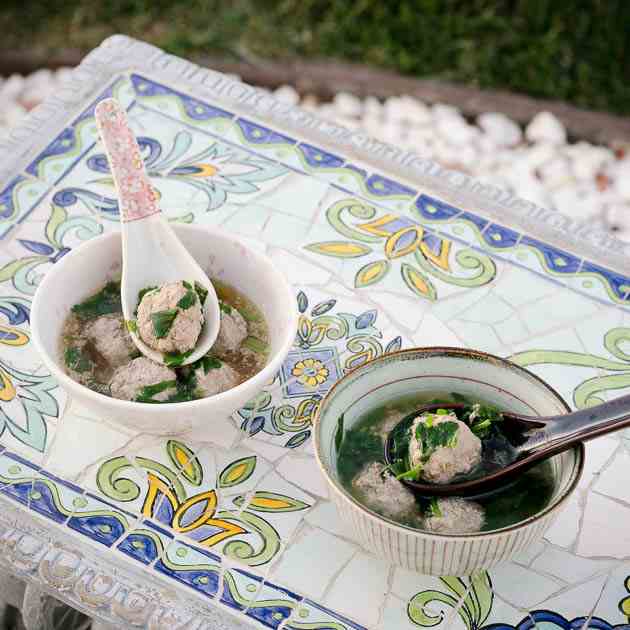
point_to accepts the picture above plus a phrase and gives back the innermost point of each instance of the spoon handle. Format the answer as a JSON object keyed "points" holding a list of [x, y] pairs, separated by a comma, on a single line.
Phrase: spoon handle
{"points": [[580, 426], [136, 196]]}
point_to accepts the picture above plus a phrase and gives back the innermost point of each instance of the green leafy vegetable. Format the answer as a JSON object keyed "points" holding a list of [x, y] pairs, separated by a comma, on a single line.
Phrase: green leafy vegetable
{"points": [[202, 292], [174, 359], [255, 344], [480, 418], [413, 474], [226, 308], [209, 363], [105, 302], [148, 392], [77, 360], [436, 436], [162, 322], [434, 508], [144, 291], [187, 285], [249, 315], [339, 434], [131, 325], [187, 300]]}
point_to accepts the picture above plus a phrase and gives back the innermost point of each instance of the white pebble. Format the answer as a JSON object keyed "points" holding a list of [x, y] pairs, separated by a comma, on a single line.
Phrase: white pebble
{"points": [[446, 153], [545, 127], [420, 112], [531, 189], [348, 105], [456, 130], [620, 174], [581, 201], [63, 74], [12, 87], [40, 77], [33, 95], [407, 109], [392, 132], [536, 156], [287, 94], [12, 113], [503, 131], [420, 139], [439, 110], [587, 160], [327, 111], [556, 172], [372, 107], [310, 103]]}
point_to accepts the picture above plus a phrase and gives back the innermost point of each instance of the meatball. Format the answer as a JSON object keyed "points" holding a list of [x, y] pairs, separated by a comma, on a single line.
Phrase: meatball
{"points": [[214, 376], [384, 494], [454, 515], [111, 340], [232, 332], [143, 379], [459, 456], [170, 318]]}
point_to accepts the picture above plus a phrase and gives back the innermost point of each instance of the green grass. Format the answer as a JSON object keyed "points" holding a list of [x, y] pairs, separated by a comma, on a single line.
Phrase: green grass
{"points": [[574, 50]]}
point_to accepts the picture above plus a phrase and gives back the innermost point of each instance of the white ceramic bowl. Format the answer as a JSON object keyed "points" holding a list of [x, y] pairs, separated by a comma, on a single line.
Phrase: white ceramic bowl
{"points": [[466, 372], [87, 268]]}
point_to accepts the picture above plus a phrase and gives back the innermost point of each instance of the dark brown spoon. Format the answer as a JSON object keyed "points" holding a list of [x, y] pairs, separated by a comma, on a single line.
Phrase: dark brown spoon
{"points": [[531, 439]]}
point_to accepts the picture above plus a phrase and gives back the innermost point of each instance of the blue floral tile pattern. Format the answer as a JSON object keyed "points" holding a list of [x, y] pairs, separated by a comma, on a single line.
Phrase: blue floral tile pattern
{"points": [[18, 198]]}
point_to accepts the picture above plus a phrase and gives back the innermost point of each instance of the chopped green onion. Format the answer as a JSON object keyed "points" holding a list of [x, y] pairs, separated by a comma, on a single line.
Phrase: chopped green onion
{"points": [[434, 508], [226, 308], [249, 315], [255, 344], [413, 474], [132, 326], [442, 412]]}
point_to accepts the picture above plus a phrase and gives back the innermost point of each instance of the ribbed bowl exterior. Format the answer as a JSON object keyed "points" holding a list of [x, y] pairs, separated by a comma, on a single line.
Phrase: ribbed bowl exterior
{"points": [[435, 555], [466, 372]]}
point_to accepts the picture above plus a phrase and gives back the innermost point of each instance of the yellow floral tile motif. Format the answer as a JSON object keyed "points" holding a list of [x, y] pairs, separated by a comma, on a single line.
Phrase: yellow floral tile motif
{"points": [[311, 372], [383, 242], [201, 516]]}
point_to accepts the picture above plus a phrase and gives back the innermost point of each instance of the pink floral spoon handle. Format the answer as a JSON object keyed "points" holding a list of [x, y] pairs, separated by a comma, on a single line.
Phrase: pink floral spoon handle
{"points": [[136, 196]]}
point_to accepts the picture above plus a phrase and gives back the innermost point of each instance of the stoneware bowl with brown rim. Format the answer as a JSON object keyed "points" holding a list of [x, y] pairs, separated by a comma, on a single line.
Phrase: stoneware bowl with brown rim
{"points": [[472, 374]]}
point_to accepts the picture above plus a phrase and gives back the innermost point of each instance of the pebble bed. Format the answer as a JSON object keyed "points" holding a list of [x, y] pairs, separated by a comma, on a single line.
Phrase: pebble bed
{"points": [[539, 163]]}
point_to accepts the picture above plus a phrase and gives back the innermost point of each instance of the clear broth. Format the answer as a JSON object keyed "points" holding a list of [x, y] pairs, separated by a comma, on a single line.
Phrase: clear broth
{"points": [[248, 360], [364, 444]]}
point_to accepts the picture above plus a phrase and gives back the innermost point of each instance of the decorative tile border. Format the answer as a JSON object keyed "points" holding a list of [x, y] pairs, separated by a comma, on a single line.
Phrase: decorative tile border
{"points": [[435, 214], [146, 543]]}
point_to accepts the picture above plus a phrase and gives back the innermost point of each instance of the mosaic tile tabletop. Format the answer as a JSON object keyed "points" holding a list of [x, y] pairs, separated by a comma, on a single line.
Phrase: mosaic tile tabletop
{"points": [[234, 525]]}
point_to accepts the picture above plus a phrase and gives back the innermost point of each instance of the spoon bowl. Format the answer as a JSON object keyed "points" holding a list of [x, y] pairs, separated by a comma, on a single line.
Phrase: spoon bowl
{"points": [[529, 440], [152, 253]]}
